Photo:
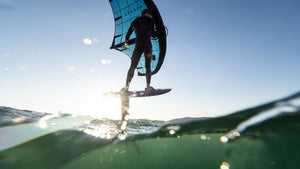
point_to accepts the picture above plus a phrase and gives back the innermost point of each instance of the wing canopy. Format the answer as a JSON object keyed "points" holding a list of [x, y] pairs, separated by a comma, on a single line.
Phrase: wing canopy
{"points": [[125, 11]]}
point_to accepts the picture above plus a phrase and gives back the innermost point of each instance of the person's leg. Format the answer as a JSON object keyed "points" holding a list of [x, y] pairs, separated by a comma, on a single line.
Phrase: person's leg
{"points": [[134, 61], [148, 57]]}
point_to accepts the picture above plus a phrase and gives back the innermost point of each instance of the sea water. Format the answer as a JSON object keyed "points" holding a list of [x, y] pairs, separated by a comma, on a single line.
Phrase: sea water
{"points": [[262, 137]]}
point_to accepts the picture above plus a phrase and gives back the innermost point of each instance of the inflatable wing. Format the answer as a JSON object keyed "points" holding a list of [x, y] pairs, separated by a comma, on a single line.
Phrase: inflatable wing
{"points": [[125, 11]]}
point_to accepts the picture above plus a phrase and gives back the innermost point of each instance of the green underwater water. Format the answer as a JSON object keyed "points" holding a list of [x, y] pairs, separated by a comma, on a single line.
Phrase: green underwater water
{"points": [[268, 138], [76, 150], [185, 152], [193, 152]]}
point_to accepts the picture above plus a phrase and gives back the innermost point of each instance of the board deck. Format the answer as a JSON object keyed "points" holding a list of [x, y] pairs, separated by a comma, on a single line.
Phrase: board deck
{"points": [[140, 93]]}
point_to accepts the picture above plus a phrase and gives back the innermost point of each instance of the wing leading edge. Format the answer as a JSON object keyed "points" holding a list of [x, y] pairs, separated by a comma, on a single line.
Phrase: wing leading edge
{"points": [[125, 11]]}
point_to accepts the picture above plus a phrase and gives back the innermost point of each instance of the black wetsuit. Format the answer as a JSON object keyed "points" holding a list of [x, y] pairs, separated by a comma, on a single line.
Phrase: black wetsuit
{"points": [[144, 29]]}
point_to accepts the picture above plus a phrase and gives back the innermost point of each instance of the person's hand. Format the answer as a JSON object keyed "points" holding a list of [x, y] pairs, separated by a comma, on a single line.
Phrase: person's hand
{"points": [[126, 43]]}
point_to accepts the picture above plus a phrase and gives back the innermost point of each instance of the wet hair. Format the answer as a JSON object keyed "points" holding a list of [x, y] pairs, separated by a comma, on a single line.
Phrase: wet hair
{"points": [[146, 11]]}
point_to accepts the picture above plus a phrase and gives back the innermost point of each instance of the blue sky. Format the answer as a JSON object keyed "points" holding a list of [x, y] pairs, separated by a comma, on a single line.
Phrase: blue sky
{"points": [[222, 56]]}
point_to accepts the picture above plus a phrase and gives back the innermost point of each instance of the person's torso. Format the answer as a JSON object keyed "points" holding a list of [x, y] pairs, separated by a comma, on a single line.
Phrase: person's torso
{"points": [[142, 28]]}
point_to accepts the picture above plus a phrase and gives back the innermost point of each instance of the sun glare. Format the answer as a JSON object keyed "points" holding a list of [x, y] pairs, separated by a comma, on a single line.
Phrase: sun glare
{"points": [[111, 108]]}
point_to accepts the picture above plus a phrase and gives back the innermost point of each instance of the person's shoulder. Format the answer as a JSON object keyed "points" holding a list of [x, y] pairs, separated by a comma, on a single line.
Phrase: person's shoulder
{"points": [[138, 18], [148, 19]]}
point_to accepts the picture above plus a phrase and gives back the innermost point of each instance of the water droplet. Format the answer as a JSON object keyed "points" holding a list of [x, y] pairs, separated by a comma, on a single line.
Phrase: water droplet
{"points": [[224, 165], [108, 136], [96, 40], [124, 125], [126, 117], [224, 139], [122, 136], [172, 132], [70, 68], [173, 127], [87, 41], [105, 61], [236, 134], [203, 137]]}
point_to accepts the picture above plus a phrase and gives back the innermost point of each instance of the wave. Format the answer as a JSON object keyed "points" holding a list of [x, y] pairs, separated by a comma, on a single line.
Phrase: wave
{"points": [[265, 136]]}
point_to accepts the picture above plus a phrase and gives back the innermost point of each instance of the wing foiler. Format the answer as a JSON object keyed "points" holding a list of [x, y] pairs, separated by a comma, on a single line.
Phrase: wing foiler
{"points": [[125, 11]]}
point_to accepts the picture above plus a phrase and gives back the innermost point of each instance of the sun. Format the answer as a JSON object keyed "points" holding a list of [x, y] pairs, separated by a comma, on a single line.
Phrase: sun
{"points": [[110, 108]]}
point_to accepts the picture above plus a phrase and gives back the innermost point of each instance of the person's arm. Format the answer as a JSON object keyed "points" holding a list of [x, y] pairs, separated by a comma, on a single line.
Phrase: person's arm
{"points": [[152, 30], [129, 32]]}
